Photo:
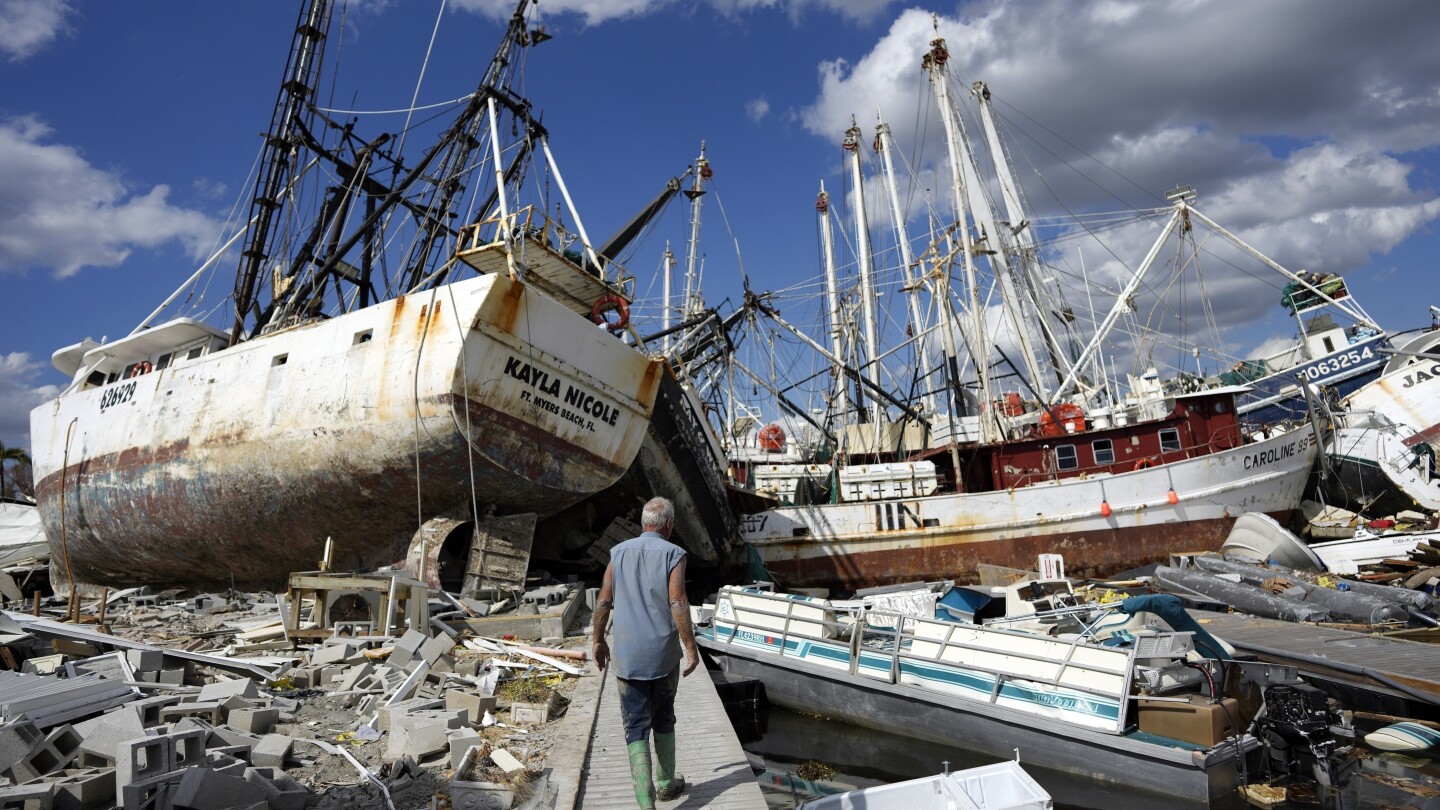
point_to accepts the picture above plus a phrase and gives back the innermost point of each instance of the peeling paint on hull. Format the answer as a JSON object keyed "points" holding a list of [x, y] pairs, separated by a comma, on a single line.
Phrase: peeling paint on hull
{"points": [[241, 463]]}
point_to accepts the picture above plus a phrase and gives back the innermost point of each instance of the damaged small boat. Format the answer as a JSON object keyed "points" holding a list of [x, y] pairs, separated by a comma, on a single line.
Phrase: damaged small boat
{"points": [[410, 338], [1076, 687]]}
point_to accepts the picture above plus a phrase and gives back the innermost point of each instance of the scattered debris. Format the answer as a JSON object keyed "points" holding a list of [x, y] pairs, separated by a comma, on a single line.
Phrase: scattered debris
{"points": [[349, 690]]}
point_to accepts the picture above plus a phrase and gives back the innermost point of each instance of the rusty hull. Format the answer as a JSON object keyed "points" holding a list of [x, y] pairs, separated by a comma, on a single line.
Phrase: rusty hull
{"points": [[1087, 554], [240, 463]]}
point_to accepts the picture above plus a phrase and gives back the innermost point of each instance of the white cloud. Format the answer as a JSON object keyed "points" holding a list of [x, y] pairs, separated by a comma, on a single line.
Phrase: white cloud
{"points": [[595, 12], [1295, 122], [51, 193], [757, 109], [18, 395], [27, 26]]}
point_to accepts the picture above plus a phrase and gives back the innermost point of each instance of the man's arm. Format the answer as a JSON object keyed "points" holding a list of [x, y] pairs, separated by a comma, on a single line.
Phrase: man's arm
{"points": [[680, 612], [603, 604]]}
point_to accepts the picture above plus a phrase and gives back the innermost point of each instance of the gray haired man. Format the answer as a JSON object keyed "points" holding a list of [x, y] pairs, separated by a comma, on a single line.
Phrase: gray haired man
{"points": [[645, 589]]}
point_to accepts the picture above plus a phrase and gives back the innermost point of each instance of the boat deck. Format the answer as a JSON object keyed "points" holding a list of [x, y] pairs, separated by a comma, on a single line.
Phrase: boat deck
{"points": [[707, 753], [1329, 650]]}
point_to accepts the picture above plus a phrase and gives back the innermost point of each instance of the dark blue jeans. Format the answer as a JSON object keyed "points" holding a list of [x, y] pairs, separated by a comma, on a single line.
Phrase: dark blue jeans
{"points": [[648, 704]]}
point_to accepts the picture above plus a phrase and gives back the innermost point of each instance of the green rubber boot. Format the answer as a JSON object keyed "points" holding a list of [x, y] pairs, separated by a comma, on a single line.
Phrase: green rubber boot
{"points": [[640, 774], [668, 784]]}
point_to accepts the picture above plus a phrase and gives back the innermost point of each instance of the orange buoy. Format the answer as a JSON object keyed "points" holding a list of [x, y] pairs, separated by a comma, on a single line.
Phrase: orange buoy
{"points": [[772, 438], [1172, 497], [1104, 509]]}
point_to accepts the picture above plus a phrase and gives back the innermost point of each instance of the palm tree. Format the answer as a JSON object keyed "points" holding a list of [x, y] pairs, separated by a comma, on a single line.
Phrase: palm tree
{"points": [[8, 454]]}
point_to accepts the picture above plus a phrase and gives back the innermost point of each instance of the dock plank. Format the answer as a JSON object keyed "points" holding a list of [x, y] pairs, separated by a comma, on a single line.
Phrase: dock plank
{"points": [[707, 754], [1410, 662]]}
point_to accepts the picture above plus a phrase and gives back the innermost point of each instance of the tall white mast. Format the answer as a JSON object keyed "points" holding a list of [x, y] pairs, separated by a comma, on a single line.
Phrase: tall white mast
{"points": [[867, 286], [884, 144], [934, 64], [667, 266], [832, 293], [1024, 235], [692, 304]]}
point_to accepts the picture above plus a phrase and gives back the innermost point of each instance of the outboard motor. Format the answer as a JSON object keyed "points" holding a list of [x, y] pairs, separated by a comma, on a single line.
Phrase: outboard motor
{"points": [[1295, 729]]}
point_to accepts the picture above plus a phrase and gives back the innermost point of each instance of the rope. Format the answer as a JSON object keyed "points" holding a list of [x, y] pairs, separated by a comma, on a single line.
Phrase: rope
{"points": [[406, 110]]}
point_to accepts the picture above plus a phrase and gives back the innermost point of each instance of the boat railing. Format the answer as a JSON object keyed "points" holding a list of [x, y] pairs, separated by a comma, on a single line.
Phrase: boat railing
{"points": [[1074, 665], [528, 228]]}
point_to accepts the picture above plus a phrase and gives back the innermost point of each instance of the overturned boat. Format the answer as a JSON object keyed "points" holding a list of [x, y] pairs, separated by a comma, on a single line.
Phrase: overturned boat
{"points": [[409, 339]]}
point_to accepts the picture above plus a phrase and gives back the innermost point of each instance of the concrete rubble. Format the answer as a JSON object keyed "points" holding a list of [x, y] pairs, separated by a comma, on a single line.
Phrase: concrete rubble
{"points": [[286, 701]]}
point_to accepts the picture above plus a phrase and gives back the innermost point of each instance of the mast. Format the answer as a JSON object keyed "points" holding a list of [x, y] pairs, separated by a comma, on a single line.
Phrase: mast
{"points": [[430, 191], [851, 144], [1050, 322], [693, 303], [993, 246], [884, 144], [296, 91], [832, 293], [934, 63], [667, 265]]}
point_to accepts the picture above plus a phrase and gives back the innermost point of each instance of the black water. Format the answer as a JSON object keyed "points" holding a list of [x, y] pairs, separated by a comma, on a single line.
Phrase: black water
{"points": [[778, 741]]}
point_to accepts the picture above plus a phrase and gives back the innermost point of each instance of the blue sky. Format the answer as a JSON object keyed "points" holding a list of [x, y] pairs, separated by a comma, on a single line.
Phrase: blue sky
{"points": [[128, 132]]}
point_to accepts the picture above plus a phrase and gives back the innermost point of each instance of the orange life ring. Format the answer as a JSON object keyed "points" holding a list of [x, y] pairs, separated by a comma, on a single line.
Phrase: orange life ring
{"points": [[142, 367], [607, 303], [1144, 464]]}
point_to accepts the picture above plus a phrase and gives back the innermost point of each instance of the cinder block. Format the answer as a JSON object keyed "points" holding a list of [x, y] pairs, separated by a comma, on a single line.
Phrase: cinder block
{"points": [[142, 759], [253, 721], [175, 677], [85, 789], [225, 736], [16, 741], [34, 796], [352, 677], [460, 740], [412, 641], [470, 667], [204, 789], [418, 736], [219, 691], [153, 793], [188, 747], [221, 762], [435, 647], [271, 751], [146, 660], [281, 790], [331, 654], [389, 713], [148, 709], [207, 711], [474, 703], [101, 734]]}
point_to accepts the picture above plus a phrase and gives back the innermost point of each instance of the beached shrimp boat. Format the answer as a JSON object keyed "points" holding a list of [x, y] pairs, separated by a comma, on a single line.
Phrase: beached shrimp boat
{"points": [[489, 369]]}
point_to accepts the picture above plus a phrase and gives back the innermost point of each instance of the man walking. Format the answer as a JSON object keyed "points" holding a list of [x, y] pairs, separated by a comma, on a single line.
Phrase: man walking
{"points": [[645, 589]]}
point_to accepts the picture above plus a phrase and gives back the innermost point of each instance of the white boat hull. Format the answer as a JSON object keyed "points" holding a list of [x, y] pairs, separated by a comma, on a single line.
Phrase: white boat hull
{"points": [[854, 545], [241, 462]]}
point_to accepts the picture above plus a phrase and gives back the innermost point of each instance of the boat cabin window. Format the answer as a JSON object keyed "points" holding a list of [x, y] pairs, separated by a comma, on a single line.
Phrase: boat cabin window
{"points": [[1104, 451], [96, 378], [194, 353], [1329, 345], [1170, 440], [1066, 458], [164, 361]]}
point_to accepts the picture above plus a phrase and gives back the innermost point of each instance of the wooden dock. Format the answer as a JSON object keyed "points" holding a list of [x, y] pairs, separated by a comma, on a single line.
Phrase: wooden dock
{"points": [[707, 753], [1340, 654]]}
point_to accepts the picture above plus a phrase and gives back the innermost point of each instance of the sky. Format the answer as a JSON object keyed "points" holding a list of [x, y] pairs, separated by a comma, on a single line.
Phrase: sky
{"points": [[128, 132]]}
